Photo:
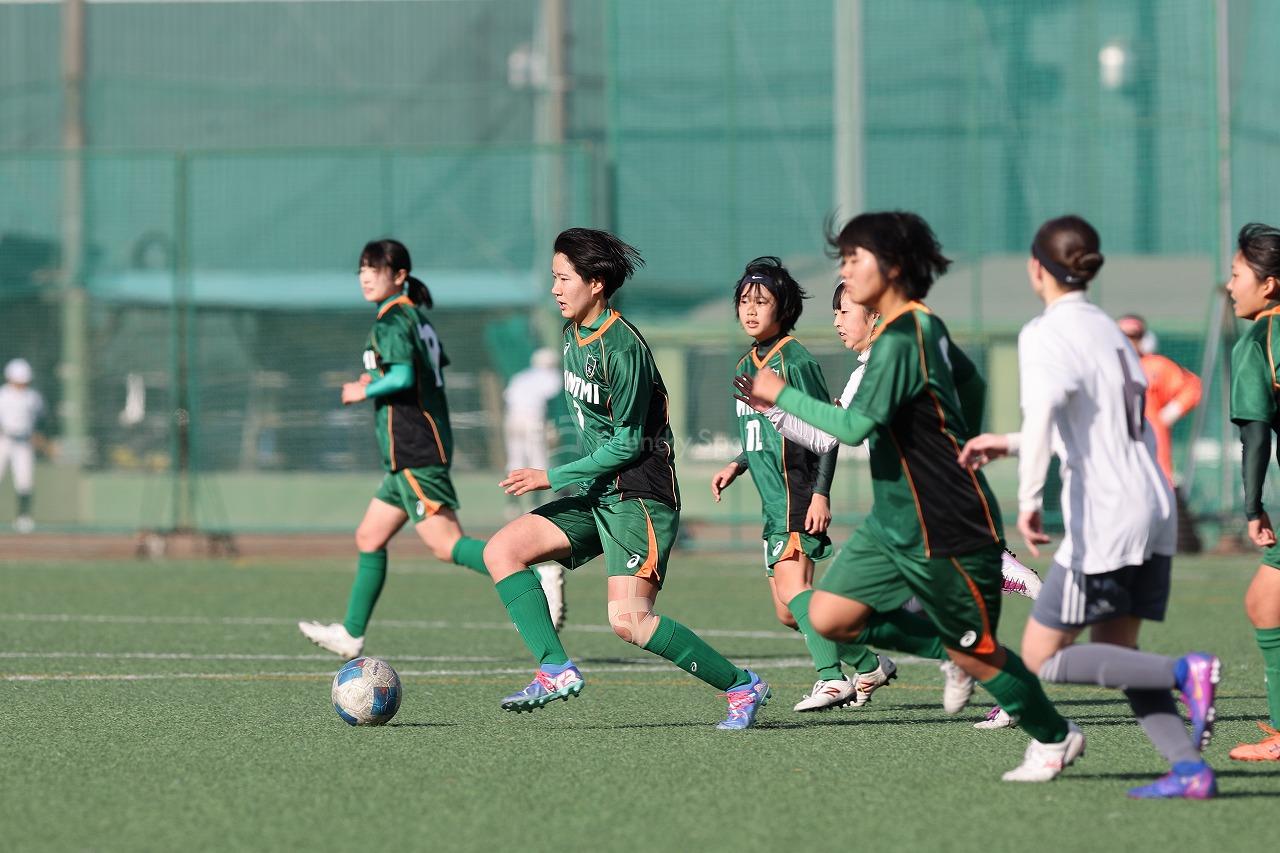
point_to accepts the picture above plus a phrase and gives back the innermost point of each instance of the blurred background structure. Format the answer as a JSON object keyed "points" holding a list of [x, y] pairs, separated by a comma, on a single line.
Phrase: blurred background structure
{"points": [[185, 188]]}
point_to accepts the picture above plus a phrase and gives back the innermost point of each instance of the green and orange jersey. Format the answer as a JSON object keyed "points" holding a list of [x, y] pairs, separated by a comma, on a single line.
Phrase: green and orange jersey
{"points": [[412, 425], [616, 397], [784, 472], [1255, 387], [914, 391]]}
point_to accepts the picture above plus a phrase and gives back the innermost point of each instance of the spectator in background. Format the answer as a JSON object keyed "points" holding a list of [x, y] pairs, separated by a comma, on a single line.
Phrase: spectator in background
{"points": [[525, 401], [20, 409], [1172, 391]]}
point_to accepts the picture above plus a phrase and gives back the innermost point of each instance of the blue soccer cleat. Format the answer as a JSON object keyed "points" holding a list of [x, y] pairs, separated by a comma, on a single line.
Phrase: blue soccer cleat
{"points": [[1197, 675], [547, 686], [744, 702], [1194, 783]]}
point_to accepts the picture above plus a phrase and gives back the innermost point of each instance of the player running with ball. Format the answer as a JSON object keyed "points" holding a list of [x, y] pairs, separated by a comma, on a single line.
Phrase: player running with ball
{"points": [[627, 506], [1082, 394], [934, 528]]}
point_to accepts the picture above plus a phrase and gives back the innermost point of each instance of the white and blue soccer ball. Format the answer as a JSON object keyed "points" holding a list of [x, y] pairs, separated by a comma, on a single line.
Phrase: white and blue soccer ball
{"points": [[366, 692]]}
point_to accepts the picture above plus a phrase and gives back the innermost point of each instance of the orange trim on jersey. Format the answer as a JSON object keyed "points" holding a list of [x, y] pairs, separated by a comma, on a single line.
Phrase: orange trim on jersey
{"points": [[913, 305], [432, 506], [794, 547], [391, 439], [399, 300], [987, 644], [436, 433], [649, 568], [582, 342], [762, 362]]}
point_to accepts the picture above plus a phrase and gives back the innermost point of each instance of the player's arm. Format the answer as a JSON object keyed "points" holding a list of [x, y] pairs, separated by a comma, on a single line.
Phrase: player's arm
{"points": [[1186, 390], [723, 478], [395, 349], [1253, 408], [971, 389], [630, 389], [1046, 377]]}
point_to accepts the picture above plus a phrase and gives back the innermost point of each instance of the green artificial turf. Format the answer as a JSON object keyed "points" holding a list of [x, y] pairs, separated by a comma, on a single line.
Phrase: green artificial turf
{"points": [[163, 706]]}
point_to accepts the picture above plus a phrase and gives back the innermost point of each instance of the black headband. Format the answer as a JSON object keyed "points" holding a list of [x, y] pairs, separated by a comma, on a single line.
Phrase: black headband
{"points": [[1055, 269]]}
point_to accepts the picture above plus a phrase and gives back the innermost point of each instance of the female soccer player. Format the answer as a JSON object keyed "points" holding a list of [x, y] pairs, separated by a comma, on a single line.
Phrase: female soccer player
{"points": [[1082, 393], [1255, 291], [628, 504], [934, 527], [794, 484], [404, 377]]}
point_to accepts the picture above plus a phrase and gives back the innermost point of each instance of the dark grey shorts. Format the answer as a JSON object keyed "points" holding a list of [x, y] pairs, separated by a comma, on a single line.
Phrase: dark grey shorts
{"points": [[1071, 599]]}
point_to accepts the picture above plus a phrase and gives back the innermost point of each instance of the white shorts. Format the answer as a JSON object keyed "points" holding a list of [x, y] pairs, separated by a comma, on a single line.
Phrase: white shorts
{"points": [[526, 440], [19, 455]]}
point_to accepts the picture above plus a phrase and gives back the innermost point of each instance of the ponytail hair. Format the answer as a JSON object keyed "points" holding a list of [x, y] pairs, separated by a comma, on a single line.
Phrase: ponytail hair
{"points": [[389, 254]]}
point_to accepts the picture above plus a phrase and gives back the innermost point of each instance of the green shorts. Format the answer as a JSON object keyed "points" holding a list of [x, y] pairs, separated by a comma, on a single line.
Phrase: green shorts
{"points": [[788, 546], [634, 535], [1271, 556], [420, 492], [960, 595]]}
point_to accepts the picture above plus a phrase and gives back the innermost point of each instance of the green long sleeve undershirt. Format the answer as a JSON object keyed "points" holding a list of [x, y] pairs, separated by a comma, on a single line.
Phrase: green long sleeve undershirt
{"points": [[1255, 439], [847, 425], [398, 377], [621, 450]]}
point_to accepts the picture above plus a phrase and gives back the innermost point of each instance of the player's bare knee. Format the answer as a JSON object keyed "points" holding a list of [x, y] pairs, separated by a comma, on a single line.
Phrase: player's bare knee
{"points": [[633, 619], [369, 540], [786, 617]]}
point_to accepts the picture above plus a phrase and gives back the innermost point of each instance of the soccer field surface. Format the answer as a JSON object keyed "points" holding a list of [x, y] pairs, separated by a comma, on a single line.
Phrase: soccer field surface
{"points": [[161, 706]]}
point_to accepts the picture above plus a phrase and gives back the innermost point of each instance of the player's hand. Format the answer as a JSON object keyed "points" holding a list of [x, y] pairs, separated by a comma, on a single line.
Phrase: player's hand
{"points": [[1261, 532], [365, 378], [524, 480], [1031, 526], [980, 450], [763, 389], [742, 387], [722, 478], [818, 519], [352, 392]]}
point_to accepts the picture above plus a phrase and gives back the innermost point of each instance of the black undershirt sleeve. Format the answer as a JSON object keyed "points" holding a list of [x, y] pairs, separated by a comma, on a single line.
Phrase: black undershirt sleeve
{"points": [[1255, 439]]}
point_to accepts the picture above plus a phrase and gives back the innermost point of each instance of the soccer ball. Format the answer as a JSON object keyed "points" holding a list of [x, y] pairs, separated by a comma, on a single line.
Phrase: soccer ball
{"points": [[366, 692]]}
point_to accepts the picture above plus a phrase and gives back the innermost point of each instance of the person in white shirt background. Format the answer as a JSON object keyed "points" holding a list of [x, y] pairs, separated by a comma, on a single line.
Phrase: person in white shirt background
{"points": [[21, 407], [1082, 392], [525, 400]]}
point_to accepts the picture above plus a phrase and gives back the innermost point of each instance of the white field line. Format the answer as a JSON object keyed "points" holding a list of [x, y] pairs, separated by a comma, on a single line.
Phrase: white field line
{"points": [[414, 624]]}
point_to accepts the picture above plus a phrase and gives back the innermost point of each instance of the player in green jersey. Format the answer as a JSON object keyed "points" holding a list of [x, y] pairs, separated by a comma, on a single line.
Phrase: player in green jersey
{"points": [[1255, 408], [404, 377], [934, 530], [794, 484], [627, 506]]}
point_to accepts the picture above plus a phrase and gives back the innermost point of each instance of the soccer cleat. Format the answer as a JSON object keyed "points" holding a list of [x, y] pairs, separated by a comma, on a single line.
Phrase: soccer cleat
{"points": [[1197, 680], [869, 682], [551, 577], [1042, 762], [333, 637], [827, 694], [957, 688], [1018, 579], [745, 702], [1267, 749], [1199, 784], [546, 687], [997, 718]]}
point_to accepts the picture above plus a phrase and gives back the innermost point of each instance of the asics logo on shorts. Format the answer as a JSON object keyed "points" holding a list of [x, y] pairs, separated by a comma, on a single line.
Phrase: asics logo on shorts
{"points": [[634, 561], [420, 508], [968, 638], [777, 548]]}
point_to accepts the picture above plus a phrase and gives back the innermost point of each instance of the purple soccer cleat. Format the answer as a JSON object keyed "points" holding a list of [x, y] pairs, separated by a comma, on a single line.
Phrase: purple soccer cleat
{"points": [[1192, 783], [1197, 675]]}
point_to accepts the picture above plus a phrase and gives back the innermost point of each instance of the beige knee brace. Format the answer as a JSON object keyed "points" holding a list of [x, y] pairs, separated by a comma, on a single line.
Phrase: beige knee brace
{"points": [[632, 616]]}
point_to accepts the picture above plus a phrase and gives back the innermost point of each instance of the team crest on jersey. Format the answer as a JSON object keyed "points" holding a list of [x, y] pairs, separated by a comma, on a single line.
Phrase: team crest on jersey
{"points": [[592, 364]]}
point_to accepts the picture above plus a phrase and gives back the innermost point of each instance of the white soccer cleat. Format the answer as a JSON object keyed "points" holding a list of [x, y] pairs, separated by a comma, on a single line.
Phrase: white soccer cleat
{"points": [[1018, 579], [957, 688], [551, 576], [827, 694], [334, 638], [869, 682], [997, 718], [1044, 761], [24, 524]]}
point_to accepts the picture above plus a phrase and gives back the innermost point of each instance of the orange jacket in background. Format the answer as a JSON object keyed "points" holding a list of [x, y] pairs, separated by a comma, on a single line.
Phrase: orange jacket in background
{"points": [[1170, 387]]}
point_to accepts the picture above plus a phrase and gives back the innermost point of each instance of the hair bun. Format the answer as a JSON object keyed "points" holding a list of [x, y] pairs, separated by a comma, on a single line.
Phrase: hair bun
{"points": [[1087, 264]]}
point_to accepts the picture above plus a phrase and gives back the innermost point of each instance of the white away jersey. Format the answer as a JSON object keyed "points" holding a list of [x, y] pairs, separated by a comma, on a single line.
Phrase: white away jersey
{"points": [[20, 408], [1081, 380]]}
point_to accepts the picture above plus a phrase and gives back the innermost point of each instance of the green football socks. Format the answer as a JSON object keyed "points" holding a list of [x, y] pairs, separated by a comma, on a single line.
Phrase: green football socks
{"points": [[371, 574], [526, 603], [905, 632], [687, 650], [1269, 642], [469, 553], [826, 656], [1020, 694]]}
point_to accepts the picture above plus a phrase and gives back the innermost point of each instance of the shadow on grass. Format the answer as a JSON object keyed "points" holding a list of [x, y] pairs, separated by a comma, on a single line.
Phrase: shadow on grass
{"points": [[420, 725]]}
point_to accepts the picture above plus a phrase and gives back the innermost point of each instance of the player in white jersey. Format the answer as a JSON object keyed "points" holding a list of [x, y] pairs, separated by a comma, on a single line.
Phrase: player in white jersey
{"points": [[20, 409], [1082, 392]]}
